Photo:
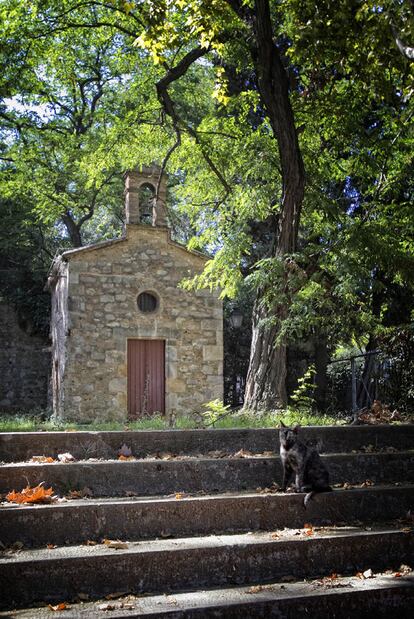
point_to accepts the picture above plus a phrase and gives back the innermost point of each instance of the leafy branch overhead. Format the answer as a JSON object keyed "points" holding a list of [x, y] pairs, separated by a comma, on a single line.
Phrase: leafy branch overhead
{"points": [[285, 127]]}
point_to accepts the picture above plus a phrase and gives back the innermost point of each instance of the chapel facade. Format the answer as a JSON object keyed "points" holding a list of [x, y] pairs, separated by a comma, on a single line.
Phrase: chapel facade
{"points": [[127, 340]]}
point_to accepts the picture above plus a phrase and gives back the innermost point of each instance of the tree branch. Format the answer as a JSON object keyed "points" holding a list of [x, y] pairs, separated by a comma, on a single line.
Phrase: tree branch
{"points": [[168, 106], [406, 50]]}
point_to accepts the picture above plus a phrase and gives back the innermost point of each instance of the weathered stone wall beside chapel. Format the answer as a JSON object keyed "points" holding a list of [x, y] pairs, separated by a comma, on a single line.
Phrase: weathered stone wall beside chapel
{"points": [[103, 283], [24, 365]]}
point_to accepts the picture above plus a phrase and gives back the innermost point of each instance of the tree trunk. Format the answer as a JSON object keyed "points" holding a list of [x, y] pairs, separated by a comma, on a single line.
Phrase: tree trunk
{"points": [[266, 376], [265, 386], [73, 230]]}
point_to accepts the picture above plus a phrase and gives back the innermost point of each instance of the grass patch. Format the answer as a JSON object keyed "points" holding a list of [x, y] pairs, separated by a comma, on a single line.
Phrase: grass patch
{"points": [[290, 417], [21, 422]]}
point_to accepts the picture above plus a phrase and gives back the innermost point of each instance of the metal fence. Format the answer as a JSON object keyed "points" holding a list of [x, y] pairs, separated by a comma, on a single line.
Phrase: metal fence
{"points": [[356, 381]]}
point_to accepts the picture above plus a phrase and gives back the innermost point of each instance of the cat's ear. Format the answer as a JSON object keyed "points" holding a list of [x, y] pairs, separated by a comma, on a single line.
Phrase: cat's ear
{"points": [[296, 429]]}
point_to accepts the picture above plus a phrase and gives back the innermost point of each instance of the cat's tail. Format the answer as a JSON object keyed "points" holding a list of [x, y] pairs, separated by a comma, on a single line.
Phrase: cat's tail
{"points": [[310, 494]]}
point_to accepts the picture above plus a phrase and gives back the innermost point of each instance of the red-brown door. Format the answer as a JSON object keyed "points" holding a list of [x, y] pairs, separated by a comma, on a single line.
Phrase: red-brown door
{"points": [[146, 382]]}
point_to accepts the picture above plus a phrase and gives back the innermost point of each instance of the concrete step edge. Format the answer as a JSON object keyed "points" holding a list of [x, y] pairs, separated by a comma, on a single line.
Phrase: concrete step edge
{"points": [[23, 445], [163, 566], [193, 544], [142, 518], [167, 476], [317, 594]]}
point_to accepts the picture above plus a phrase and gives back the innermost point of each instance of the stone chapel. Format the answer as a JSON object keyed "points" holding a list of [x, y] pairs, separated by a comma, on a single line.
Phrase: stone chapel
{"points": [[127, 341]]}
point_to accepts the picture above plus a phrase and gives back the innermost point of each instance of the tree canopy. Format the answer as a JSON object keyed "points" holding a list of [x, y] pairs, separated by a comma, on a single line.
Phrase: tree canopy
{"points": [[286, 128]]}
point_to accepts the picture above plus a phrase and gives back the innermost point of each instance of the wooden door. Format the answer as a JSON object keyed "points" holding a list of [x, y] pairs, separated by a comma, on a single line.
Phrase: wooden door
{"points": [[146, 377]]}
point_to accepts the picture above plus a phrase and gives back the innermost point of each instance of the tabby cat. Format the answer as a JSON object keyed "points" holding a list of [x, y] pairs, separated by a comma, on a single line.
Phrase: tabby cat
{"points": [[311, 474]]}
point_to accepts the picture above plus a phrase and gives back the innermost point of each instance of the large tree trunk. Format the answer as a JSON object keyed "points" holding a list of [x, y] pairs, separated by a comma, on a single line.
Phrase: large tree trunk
{"points": [[266, 376], [73, 230], [265, 386]]}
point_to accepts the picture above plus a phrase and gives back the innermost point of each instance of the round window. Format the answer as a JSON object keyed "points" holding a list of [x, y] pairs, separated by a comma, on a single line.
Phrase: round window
{"points": [[147, 302]]}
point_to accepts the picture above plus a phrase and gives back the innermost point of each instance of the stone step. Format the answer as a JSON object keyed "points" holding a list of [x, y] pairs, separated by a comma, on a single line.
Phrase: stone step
{"points": [[21, 446], [141, 518], [160, 477], [167, 566], [339, 597]]}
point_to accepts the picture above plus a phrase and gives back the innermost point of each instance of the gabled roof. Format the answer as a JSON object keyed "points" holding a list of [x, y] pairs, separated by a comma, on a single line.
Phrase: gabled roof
{"points": [[103, 244]]}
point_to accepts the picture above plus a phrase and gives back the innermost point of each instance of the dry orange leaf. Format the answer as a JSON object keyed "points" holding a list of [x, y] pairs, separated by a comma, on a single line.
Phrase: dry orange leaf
{"points": [[117, 544], [61, 606], [43, 459], [308, 529], [51, 546], [122, 457], [179, 495], [38, 494]]}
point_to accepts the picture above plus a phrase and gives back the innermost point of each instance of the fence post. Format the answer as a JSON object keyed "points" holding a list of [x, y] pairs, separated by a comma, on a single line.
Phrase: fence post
{"points": [[354, 386]]}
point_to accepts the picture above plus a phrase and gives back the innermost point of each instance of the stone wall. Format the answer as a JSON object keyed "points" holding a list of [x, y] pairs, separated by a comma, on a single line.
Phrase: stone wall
{"points": [[24, 365], [103, 284]]}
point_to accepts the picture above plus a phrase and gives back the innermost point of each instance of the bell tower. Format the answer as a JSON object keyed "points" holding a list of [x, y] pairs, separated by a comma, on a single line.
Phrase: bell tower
{"points": [[141, 204]]}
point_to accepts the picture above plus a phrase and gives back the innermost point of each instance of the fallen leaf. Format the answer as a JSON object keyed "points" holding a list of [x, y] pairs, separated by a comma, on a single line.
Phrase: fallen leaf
{"points": [[38, 494], [75, 494], [243, 453], [179, 495], [255, 589], [106, 606], [308, 529], [91, 542], [217, 454], [115, 595], [116, 606], [274, 535], [47, 459], [117, 544], [66, 457], [61, 606], [124, 458], [366, 483], [51, 546], [166, 456], [360, 575], [79, 494]]}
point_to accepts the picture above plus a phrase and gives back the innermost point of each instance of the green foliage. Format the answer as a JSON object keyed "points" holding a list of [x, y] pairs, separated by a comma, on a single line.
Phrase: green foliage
{"points": [[214, 411], [25, 423], [397, 355], [303, 396], [79, 105]]}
